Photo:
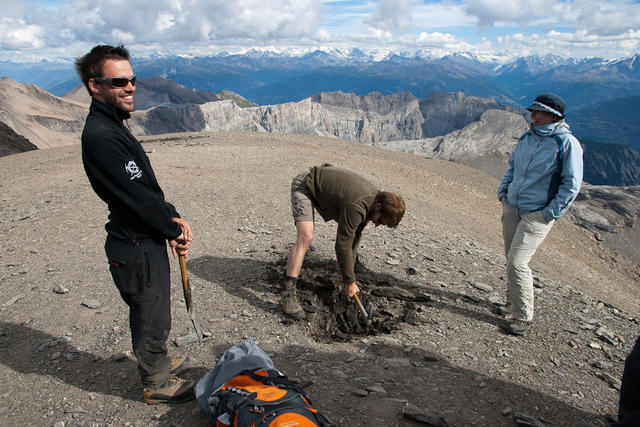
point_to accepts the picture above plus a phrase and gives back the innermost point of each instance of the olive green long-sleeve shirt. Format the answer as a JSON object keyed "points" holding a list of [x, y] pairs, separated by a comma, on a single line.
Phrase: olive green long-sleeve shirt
{"points": [[347, 198]]}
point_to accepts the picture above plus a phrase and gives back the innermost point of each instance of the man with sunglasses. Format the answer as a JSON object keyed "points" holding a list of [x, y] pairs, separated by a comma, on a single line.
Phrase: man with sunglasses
{"points": [[140, 220]]}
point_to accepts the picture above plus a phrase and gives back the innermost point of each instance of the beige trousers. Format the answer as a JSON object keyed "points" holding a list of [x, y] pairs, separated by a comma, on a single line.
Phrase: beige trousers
{"points": [[522, 236]]}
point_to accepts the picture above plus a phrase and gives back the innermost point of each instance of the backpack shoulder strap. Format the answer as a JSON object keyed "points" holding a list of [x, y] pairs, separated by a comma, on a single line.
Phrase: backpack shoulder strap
{"points": [[274, 378]]}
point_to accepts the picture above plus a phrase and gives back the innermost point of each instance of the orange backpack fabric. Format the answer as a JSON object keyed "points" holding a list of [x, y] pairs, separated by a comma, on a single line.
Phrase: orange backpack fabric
{"points": [[264, 398]]}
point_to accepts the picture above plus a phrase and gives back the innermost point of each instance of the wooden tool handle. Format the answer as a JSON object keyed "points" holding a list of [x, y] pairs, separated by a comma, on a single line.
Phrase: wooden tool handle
{"points": [[364, 312], [185, 280]]}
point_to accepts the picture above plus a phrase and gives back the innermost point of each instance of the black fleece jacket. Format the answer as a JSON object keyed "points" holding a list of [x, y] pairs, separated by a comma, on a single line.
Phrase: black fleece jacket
{"points": [[121, 175]]}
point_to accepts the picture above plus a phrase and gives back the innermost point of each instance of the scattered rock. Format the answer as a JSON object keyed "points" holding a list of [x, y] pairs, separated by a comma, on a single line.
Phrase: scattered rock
{"points": [[612, 381], [481, 286], [375, 389], [120, 357], [495, 299], [186, 340], [424, 416], [92, 304], [13, 300], [393, 292], [78, 410], [602, 364], [65, 339], [59, 289], [526, 420]]}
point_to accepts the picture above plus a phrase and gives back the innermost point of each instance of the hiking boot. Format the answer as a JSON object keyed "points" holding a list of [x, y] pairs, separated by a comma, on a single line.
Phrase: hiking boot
{"points": [[517, 327], [179, 364], [290, 304], [175, 390]]}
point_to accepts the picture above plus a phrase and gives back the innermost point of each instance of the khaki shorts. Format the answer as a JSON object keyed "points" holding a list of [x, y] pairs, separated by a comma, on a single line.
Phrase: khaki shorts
{"points": [[301, 204]]}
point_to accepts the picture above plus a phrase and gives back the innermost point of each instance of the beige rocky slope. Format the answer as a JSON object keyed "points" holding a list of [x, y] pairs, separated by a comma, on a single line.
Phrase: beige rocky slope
{"points": [[44, 119], [64, 340]]}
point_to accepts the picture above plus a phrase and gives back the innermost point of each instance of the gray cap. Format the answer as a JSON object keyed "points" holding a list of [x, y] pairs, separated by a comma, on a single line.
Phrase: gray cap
{"points": [[549, 102]]}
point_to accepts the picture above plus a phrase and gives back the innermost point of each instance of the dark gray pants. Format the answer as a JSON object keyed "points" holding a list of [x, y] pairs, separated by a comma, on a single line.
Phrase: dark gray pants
{"points": [[629, 407], [140, 270]]}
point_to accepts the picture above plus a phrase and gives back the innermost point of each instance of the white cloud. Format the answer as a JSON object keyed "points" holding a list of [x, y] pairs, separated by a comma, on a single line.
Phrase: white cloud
{"points": [[170, 21], [392, 15], [488, 12], [613, 17], [16, 34], [51, 28], [441, 15], [604, 18], [579, 44]]}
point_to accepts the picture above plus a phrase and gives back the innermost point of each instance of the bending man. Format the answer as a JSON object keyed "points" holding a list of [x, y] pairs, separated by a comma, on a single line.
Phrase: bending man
{"points": [[350, 200]]}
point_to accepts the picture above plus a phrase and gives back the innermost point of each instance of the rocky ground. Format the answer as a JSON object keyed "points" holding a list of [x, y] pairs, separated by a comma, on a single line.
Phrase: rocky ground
{"points": [[435, 348]]}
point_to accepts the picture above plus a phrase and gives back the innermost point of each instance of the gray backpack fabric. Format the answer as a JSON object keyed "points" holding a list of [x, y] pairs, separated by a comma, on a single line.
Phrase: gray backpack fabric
{"points": [[240, 357]]}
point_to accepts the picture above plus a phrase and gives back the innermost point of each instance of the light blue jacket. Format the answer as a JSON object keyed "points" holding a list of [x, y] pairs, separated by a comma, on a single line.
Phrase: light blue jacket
{"points": [[545, 171]]}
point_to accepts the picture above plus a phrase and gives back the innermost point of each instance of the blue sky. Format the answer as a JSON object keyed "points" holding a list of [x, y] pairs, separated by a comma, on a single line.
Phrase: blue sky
{"points": [[31, 30]]}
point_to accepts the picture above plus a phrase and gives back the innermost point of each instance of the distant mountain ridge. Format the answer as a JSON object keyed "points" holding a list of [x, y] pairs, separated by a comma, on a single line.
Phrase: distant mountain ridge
{"points": [[610, 164], [476, 131], [154, 91], [271, 78], [610, 122]]}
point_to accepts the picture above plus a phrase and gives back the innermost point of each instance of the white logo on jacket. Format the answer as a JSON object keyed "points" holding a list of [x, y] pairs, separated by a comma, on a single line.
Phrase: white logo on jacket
{"points": [[133, 170]]}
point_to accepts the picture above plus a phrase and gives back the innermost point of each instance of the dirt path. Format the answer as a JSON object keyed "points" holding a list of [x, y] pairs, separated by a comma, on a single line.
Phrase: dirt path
{"points": [[62, 361]]}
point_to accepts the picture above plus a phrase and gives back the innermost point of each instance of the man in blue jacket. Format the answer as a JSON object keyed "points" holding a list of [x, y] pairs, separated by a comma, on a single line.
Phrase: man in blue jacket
{"points": [[543, 179], [141, 221]]}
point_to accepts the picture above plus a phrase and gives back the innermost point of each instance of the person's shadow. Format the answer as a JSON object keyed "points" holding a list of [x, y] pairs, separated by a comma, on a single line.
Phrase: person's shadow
{"points": [[30, 351]]}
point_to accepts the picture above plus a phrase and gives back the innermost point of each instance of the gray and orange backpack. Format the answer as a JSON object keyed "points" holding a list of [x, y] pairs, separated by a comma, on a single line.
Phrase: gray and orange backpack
{"points": [[264, 398], [245, 389]]}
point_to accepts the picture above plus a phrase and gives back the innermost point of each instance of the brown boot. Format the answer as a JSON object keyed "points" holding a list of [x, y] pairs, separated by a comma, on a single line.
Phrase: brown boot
{"points": [[290, 304], [179, 364], [175, 390]]}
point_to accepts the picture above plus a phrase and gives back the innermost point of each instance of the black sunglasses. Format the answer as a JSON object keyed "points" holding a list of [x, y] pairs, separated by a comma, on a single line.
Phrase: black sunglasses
{"points": [[117, 82]]}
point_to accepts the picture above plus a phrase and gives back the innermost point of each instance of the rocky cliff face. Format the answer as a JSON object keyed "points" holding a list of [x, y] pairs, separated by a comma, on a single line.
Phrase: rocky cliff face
{"points": [[444, 112], [611, 213], [371, 119], [494, 133]]}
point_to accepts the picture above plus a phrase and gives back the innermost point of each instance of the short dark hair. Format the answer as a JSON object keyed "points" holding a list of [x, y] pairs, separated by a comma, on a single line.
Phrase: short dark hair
{"points": [[90, 65], [392, 207]]}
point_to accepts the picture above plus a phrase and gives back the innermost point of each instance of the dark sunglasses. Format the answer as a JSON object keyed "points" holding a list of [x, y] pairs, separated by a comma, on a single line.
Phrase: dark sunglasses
{"points": [[117, 82]]}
